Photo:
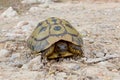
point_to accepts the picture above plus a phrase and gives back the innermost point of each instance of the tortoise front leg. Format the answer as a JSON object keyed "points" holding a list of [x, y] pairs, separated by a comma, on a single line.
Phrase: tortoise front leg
{"points": [[65, 54], [46, 53], [75, 49]]}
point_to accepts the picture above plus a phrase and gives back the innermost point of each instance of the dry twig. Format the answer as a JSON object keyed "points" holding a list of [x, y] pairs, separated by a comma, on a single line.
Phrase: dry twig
{"points": [[96, 60]]}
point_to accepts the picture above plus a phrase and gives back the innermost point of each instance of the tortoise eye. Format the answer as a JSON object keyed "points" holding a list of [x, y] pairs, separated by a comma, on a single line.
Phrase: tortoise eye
{"points": [[43, 29], [57, 28]]}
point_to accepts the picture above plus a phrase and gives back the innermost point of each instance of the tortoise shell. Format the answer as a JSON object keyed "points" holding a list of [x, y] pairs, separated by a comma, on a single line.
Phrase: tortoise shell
{"points": [[51, 31]]}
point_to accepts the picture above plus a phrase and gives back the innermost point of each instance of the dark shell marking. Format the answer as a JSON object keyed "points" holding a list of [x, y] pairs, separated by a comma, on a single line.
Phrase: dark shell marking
{"points": [[57, 29]]}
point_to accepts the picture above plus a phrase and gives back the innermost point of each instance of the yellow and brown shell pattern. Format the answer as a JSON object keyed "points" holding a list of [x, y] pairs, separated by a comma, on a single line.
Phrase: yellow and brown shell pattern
{"points": [[51, 31]]}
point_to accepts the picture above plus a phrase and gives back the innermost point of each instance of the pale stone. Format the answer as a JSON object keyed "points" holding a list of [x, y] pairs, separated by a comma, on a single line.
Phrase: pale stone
{"points": [[34, 64], [99, 72], [36, 1], [22, 29], [4, 53], [10, 12], [72, 66], [21, 23], [29, 1], [16, 64], [33, 9], [99, 54], [14, 56], [63, 74]]}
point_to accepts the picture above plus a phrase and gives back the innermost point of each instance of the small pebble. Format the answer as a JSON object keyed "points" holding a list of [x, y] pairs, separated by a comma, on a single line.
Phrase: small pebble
{"points": [[91, 41], [84, 33], [61, 76], [15, 55], [76, 67], [33, 9], [114, 70], [4, 53], [17, 64], [99, 54]]}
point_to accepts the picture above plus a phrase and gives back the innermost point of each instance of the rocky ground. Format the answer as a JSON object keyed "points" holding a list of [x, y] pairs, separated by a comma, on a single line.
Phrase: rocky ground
{"points": [[99, 24]]}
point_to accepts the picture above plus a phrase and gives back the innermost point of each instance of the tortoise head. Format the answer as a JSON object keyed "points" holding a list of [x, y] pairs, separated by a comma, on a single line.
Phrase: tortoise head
{"points": [[61, 46]]}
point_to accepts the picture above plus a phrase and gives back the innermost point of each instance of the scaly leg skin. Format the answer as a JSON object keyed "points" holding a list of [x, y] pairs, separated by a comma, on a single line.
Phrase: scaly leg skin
{"points": [[34, 53], [53, 56], [77, 50], [65, 54], [46, 53], [58, 56]]}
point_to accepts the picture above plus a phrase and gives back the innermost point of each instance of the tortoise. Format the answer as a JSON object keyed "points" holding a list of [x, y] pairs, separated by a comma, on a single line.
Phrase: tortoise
{"points": [[55, 38]]}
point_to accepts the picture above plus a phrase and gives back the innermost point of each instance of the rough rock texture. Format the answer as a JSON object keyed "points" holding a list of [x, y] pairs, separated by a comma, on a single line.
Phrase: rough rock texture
{"points": [[99, 25], [4, 53], [9, 13], [36, 1]]}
